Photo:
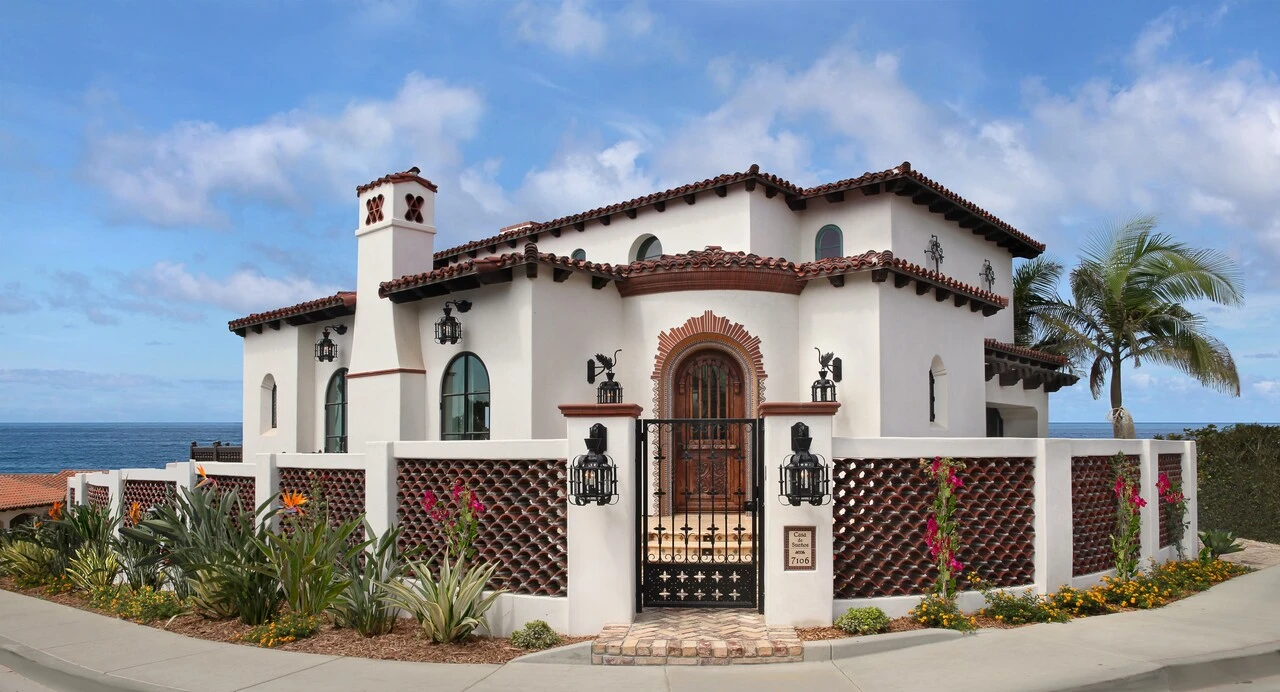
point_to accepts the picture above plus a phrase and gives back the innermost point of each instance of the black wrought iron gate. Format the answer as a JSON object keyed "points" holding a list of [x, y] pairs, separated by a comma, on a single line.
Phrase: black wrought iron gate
{"points": [[700, 513]]}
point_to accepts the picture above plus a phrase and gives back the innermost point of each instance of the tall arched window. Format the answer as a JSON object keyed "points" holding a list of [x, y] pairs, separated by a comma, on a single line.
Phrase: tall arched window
{"points": [[579, 254], [335, 413], [650, 249], [267, 404], [464, 399], [828, 243], [938, 393]]}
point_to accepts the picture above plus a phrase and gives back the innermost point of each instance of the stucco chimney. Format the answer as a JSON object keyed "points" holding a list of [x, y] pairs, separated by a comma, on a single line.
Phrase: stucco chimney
{"points": [[395, 236]]}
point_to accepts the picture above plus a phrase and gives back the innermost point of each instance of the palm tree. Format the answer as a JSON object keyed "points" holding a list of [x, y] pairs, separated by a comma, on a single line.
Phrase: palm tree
{"points": [[1035, 287], [1127, 297]]}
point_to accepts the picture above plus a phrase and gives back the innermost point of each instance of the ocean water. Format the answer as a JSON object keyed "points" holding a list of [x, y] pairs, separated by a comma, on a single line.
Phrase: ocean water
{"points": [[49, 447], [1103, 430]]}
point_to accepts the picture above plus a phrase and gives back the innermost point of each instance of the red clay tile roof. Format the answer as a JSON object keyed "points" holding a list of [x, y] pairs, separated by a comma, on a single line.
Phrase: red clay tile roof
{"points": [[885, 259], [340, 303], [28, 490], [401, 177], [714, 257], [1024, 352], [902, 171], [494, 263]]}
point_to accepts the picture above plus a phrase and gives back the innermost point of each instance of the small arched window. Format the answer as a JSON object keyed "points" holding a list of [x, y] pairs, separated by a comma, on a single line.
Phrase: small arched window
{"points": [[938, 393], [829, 243], [579, 254], [267, 418], [650, 249], [335, 413], [464, 399]]}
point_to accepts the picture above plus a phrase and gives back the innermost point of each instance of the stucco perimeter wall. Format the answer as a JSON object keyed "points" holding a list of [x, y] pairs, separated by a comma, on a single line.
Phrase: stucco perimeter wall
{"points": [[963, 253], [865, 513], [913, 330], [711, 220]]}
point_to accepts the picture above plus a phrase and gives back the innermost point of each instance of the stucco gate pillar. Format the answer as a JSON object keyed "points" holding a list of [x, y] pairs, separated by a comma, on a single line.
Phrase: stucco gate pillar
{"points": [[602, 540], [798, 598]]}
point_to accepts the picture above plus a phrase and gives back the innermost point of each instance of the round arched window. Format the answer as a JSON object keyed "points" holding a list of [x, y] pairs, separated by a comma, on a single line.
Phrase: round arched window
{"points": [[579, 254], [335, 413], [650, 249], [829, 243], [464, 399]]}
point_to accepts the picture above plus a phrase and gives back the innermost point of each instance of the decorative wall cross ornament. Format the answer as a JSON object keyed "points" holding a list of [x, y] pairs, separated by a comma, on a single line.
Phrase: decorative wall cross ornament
{"points": [[373, 206], [988, 274], [414, 211], [934, 252]]}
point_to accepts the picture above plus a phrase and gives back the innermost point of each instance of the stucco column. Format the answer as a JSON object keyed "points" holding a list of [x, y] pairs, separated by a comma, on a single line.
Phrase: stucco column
{"points": [[602, 540], [1148, 462], [76, 483], [796, 597], [380, 487], [1054, 540], [115, 484], [1191, 489], [266, 479]]}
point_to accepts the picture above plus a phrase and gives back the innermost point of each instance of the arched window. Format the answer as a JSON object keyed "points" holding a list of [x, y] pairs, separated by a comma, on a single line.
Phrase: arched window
{"points": [[650, 249], [464, 399], [828, 243], [938, 393], [579, 254], [267, 404], [335, 413]]}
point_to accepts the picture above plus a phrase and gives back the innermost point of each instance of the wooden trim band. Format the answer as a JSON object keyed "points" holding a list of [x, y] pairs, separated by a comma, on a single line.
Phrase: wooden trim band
{"points": [[392, 371], [799, 408], [601, 410]]}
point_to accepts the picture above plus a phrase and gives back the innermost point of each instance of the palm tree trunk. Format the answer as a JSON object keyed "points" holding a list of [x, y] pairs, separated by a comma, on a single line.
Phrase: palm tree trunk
{"points": [[1121, 421]]}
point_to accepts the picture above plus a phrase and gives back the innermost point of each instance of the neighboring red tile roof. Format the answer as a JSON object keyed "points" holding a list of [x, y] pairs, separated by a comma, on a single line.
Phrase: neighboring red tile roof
{"points": [[1024, 352], [1030, 246], [401, 177], [341, 303], [885, 259], [29, 490]]}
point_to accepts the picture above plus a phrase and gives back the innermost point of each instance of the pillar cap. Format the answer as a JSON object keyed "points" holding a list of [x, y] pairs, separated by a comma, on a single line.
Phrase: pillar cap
{"points": [[799, 408], [601, 410]]}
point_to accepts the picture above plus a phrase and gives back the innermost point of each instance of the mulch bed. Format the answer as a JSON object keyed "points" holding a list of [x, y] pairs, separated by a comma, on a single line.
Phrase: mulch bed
{"points": [[403, 644], [902, 624]]}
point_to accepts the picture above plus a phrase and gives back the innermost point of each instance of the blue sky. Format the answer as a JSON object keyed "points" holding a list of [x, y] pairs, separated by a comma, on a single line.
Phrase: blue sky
{"points": [[165, 171]]}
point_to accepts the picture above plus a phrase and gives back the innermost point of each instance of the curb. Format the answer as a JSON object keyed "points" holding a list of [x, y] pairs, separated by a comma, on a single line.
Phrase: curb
{"points": [[874, 644], [51, 671], [1211, 670], [575, 654]]}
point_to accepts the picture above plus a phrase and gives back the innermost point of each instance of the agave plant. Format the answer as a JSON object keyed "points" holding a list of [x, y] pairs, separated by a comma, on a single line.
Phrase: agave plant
{"points": [[363, 605], [448, 608], [305, 560], [28, 562], [213, 543]]}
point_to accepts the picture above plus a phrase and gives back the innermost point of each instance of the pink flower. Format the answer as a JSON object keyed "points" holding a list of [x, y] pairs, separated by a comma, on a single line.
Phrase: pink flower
{"points": [[955, 565], [457, 489], [934, 549], [937, 463], [476, 505], [955, 481], [1119, 486], [1138, 501], [1163, 484], [428, 500]]}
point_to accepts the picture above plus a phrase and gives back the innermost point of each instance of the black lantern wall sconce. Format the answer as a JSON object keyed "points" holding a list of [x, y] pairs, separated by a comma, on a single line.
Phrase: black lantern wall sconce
{"points": [[326, 350], [593, 478], [988, 275], [448, 328], [609, 392], [824, 389], [934, 251], [804, 476]]}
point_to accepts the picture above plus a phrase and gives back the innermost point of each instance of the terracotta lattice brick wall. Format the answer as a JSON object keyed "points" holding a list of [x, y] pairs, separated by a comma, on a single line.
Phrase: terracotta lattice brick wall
{"points": [[71, 496], [1170, 465], [342, 490], [97, 495], [881, 506], [523, 528], [148, 494], [1093, 513], [245, 487]]}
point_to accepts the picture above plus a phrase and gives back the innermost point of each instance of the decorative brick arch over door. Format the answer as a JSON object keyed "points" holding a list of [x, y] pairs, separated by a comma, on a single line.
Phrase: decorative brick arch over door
{"points": [[707, 331]]}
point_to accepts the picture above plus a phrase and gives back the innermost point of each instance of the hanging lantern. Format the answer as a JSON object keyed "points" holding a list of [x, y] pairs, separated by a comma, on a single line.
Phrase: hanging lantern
{"points": [[448, 328], [824, 389], [593, 478], [609, 392], [804, 476], [326, 349]]}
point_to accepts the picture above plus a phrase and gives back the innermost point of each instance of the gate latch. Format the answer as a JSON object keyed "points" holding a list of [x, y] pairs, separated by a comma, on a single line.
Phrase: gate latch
{"points": [[749, 506]]}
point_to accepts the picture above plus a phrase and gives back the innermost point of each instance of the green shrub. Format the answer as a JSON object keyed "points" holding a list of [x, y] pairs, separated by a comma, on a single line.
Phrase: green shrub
{"points": [[287, 628], [94, 567], [936, 611], [536, 634], [1079, 603], [363, 605], [863, 621], [1023, 608], [448, 608], [214, 544], [304, 560], [1238, 479], [137, 564], [80, 526], [29, 563], [1219, 542]]}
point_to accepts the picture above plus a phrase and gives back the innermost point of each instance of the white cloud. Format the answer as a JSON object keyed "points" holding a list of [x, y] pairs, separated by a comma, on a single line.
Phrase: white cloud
{"points": [[243, 291], [1267, 387], [569, 28], [174, 178]]}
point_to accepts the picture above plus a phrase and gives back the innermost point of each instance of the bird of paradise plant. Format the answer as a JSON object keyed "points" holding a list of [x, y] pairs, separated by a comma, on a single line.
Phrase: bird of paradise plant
{"points": [[204, 477], [55, 512], [135, 513], [293, 502]]}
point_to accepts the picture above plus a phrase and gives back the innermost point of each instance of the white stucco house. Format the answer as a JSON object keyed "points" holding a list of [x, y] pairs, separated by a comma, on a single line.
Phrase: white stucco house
{"points": [[744, 274]]}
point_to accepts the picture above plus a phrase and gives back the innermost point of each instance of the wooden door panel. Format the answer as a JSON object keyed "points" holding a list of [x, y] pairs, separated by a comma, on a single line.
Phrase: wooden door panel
{"points": [[709, 474]]}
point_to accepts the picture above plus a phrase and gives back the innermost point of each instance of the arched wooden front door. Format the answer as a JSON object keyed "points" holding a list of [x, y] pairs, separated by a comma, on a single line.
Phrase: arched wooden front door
{"points": [[709, 468]]}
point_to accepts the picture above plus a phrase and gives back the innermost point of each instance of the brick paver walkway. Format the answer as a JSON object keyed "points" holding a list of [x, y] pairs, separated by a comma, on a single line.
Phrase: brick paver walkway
{"points": [[1256, 554], [696, 636]]}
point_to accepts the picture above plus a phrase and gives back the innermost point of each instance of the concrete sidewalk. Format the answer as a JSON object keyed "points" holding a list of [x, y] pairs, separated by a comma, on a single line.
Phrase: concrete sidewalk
{"points": [[1228, 634]]}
